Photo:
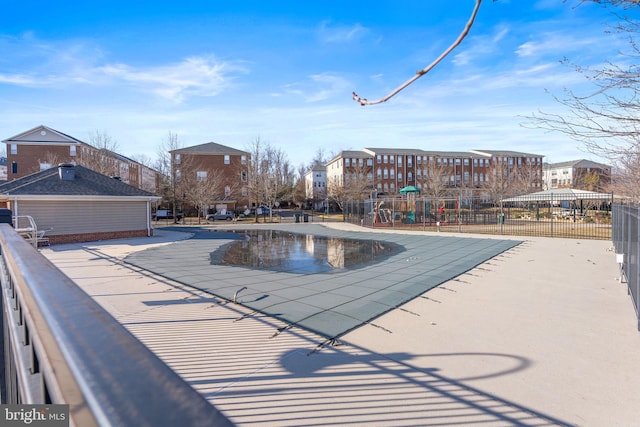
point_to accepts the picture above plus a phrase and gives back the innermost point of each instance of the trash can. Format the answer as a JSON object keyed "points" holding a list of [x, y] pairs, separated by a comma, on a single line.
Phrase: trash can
{"points": [[6, 217], [306, 217], [297, 216], [501, 219]]}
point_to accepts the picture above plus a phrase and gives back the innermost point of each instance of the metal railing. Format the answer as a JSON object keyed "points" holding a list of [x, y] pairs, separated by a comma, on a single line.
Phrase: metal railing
{"points": [[626, 240], [589, 218], [61, 347]]}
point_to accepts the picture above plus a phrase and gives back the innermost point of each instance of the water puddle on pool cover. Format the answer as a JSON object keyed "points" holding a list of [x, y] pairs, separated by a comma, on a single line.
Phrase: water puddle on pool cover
{"points": [[300, 253]]}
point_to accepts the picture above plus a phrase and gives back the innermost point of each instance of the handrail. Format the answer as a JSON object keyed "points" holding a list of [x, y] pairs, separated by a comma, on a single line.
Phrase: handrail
{"points": [[63, 348], [29, 232]]}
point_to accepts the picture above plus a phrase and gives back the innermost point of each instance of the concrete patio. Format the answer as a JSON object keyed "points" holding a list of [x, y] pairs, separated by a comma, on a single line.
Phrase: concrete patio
{"points": [[542, 334]]}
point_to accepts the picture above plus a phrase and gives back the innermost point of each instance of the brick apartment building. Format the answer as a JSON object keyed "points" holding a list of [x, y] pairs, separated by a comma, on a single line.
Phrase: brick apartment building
{"points": [[212, 161], [391, 169], [42, 147]]}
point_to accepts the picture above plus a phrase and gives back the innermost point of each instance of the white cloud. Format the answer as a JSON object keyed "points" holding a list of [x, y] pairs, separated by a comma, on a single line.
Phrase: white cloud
{"points": [[320, 87], [63, 63], [340, 33], [480, 46], [555, 43], [194, 76]]}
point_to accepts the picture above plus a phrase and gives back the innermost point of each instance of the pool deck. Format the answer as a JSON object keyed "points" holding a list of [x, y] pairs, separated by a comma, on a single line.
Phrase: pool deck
{"points": [[543, 334]]}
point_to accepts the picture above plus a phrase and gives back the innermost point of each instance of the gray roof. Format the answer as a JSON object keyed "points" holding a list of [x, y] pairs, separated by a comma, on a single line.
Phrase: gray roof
{"points": [[582, 163], [507, 153], [560, 194], [209, 148], [22, 136], [85, 183]]}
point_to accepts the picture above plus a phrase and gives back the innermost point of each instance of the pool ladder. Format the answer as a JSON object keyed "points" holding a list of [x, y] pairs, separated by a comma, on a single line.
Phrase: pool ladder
{"points": [[235, 295]]}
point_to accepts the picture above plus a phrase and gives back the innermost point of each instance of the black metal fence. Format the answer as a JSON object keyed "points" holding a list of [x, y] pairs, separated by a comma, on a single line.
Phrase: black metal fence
{"points": [[586, 218], [626, 226], [60, 347]]}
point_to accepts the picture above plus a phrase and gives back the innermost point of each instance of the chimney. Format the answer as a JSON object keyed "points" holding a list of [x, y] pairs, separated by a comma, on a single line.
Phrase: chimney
{"points": [[66, 171]]}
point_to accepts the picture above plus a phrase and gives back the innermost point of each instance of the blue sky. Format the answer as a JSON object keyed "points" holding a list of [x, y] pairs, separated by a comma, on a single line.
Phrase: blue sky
{"points": [[283, 72]]}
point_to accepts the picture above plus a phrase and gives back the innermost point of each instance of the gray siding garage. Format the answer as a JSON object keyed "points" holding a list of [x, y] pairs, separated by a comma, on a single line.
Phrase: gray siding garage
{"points": [[76, 204]]}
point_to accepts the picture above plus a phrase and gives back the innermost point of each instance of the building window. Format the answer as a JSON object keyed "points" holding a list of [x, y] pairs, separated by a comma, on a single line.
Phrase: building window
{"points": [[243, 159], [201, 175], [227, 191], [399, 176], [176, 159], [392, 159], [14, 148], [409, 176], [385, 159], [475, 162], [14, 167], [399, 160], [72, 150], [409, 161], [347, 162], [379, 173], [466, 162], [386, 173], [379, 158], [244, 191], [45, 166], [243, 176], [369, 161], [227, 159], [392, 173]]}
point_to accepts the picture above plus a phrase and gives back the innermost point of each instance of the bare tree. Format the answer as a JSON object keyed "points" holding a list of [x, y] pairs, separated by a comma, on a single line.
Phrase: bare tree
{"points": [[271, 177], [101, 154], [355, 185], [435, 179], [199, 187], [164, 165], [524, 179], [50, 158], [497, 184], [606, 120], [143, 159]]}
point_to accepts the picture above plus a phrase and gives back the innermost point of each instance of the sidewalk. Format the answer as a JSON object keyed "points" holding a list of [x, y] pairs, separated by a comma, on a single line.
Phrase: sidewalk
{"points": [[543, 334]]}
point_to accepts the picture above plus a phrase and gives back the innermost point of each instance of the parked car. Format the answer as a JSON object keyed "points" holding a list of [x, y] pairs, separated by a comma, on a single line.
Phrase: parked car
{"points": [[165, 214], [219, 216], [260, 210]]}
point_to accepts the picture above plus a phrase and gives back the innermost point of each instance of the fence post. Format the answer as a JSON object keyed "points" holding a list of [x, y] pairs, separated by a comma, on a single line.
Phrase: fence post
{"points": [[637, 250]]}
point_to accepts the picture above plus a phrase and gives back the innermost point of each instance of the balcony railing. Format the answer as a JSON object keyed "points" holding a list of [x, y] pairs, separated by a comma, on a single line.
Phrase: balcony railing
{"points": [[61, 347]]}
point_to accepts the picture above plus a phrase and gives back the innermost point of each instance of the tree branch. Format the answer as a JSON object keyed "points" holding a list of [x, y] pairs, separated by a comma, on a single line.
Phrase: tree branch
{"points": [[420, 73]]}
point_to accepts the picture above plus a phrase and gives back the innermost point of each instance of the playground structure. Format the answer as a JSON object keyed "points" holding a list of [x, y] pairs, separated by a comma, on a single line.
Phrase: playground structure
{"points": [[533, 215]]}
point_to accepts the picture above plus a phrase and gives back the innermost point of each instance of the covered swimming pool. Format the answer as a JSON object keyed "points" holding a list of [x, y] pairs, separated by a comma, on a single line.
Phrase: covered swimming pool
{"points": [[321, 279]]}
